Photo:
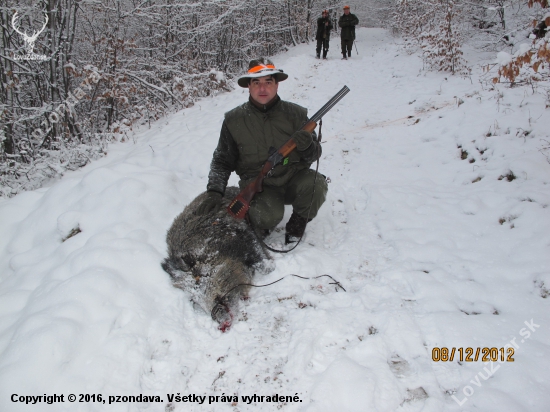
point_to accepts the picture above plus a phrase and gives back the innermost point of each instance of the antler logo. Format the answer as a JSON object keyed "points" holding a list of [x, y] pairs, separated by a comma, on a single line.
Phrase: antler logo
{"points": [[29, 40]]}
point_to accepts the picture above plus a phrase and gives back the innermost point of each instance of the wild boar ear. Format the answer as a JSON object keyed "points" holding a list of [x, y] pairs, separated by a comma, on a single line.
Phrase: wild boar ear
{"points": [[169, 267], [164, 265]]}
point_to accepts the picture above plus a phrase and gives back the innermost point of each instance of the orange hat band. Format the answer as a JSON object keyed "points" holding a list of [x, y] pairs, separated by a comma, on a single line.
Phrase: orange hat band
{"points": [[260, 67]]}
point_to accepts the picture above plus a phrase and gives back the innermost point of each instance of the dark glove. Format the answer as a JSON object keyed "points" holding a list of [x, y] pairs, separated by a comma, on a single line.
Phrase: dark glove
{"points": [[212, 202], [303, 140]]}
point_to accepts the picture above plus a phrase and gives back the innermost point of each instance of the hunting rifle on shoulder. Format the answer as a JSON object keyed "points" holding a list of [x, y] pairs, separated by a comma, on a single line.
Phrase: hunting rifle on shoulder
{"points": [[240, 205]]}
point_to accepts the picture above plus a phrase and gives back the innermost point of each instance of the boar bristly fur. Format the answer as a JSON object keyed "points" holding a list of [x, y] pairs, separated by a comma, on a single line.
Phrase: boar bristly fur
{"points": [[210, 256]]}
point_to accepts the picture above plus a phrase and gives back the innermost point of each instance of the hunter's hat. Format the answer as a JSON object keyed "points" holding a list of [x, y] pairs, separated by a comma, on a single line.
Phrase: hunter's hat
{"points": [[259, 68], [346, 7]]}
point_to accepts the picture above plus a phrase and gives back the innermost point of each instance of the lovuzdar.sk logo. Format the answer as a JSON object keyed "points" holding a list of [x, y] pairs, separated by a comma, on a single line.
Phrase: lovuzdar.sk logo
{"points": [[16, 22]]}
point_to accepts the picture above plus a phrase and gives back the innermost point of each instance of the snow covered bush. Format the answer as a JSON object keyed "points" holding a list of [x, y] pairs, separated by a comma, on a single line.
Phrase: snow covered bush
{"points": [[441, 43], [433, 26], [530, 63]]}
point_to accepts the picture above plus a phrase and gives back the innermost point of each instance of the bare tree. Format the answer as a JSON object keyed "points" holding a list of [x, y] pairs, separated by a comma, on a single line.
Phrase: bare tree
{"points": [[114, 64]]}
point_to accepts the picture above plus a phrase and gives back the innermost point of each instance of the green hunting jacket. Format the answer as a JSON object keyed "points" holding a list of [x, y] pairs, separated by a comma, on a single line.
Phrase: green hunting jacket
{"points": [[248, 132], [348, 23]]}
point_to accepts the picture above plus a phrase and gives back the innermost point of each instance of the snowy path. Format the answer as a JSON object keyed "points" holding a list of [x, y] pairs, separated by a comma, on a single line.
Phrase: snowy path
{"points": [[433, 250]]}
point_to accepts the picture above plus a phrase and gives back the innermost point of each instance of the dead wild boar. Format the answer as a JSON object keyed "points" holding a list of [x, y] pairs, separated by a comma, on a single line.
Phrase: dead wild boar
{"points": [[213, 257]]}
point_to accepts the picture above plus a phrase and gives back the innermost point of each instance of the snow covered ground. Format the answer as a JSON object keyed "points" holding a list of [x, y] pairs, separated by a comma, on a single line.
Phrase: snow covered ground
{"points": [[437, 224]]}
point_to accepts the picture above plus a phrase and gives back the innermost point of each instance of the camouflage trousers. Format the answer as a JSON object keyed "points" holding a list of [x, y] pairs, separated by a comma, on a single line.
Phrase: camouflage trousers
{"points": [[268, 207]]}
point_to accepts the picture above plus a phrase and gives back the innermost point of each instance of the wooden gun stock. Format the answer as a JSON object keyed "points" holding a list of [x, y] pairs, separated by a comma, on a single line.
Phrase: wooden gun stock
{"points": [[239, 206]]}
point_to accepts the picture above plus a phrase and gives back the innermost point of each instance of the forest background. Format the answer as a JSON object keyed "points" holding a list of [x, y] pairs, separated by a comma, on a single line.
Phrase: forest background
{"points": [[97, 69]]}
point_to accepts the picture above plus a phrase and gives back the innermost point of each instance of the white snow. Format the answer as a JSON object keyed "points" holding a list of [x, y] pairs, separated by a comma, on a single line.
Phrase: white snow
{"points": [[504, 58], [434, 251]]}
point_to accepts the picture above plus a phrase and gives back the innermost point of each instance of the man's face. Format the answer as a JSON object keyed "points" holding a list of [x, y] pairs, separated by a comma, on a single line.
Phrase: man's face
{"points": [[263, 89], [325, 15], [346, 11]]}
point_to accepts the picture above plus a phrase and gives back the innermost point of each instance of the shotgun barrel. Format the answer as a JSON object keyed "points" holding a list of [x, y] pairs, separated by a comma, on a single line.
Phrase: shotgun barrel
{"points": [[329, 105]]}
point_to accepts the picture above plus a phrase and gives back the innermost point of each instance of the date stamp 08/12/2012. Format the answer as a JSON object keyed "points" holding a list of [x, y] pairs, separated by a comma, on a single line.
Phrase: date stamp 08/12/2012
{"points": [[473, 354]]}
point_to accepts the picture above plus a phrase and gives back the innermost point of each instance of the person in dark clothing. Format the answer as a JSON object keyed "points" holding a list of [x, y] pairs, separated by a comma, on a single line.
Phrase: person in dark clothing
{"points": [[324, 26], [248, 133], [347, 22]]}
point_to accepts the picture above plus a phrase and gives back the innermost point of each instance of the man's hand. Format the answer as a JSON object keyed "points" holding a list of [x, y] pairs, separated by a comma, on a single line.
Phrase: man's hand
{"points": [[212, 202], [303, 140]]}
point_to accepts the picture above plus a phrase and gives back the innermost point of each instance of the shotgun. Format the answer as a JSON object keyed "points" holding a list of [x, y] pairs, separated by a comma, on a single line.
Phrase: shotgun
{"points": [[240, 205]]}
